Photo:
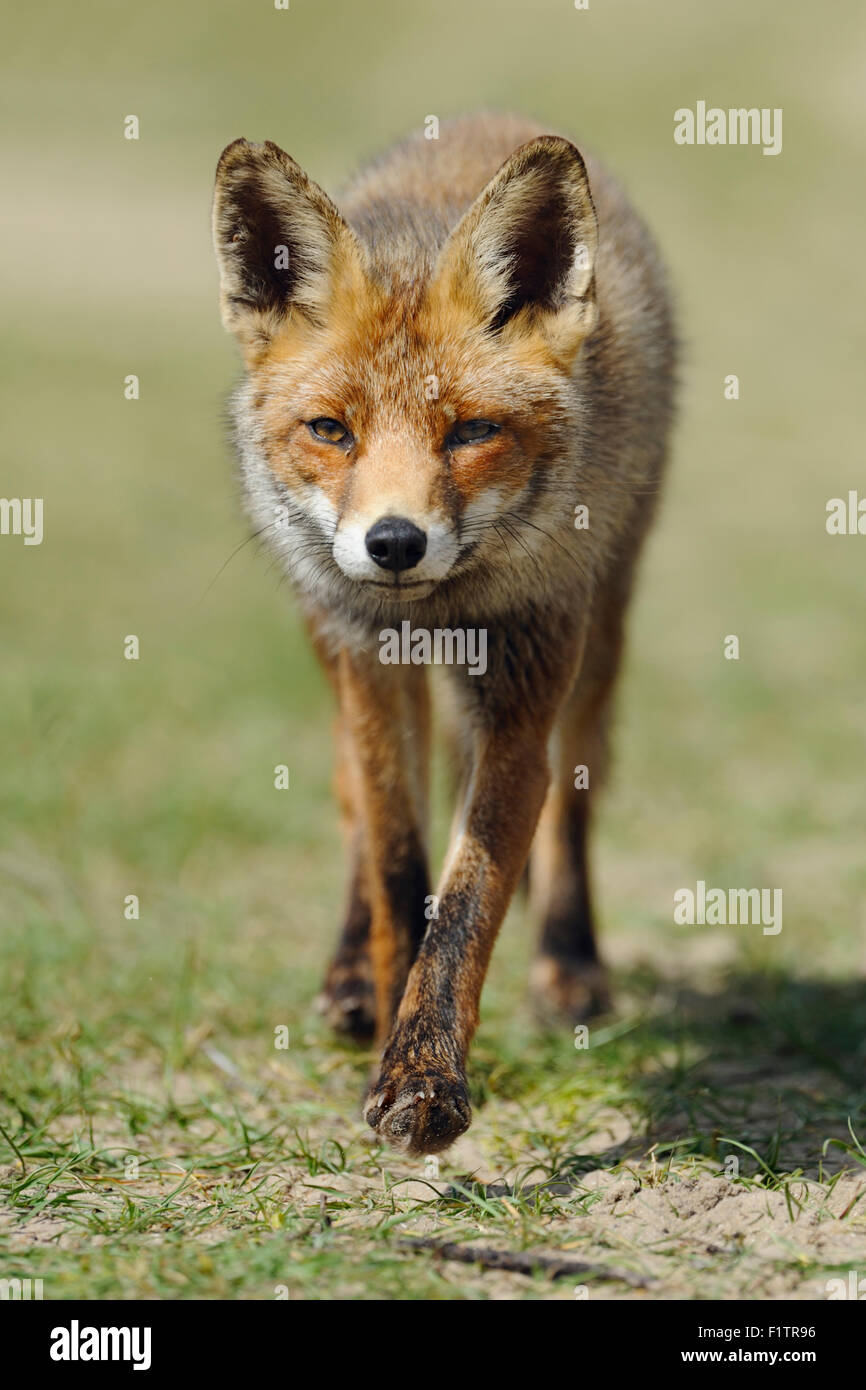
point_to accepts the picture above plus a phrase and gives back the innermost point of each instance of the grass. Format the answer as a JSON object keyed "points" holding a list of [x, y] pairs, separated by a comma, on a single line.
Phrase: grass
{"points": [[155, 1143]]}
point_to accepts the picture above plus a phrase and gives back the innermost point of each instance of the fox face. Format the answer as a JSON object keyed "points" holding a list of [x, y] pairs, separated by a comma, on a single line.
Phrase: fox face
{"points": [[405, 403]]}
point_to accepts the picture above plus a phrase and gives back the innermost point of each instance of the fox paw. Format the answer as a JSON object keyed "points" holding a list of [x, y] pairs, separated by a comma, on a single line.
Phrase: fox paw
{"points": [[347, 1002], [568, 990], [421, 1113]]}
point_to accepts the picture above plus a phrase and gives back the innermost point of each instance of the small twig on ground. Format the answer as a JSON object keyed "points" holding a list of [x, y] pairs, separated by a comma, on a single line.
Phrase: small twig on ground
{"points": [[554, 1266]]}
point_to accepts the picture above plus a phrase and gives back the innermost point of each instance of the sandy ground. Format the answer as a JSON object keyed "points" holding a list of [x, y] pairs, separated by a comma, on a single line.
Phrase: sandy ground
{"points": [[646, 1229]]}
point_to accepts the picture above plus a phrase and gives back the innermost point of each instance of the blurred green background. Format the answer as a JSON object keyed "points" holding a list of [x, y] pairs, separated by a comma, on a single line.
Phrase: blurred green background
{"points": [[156, 777]]}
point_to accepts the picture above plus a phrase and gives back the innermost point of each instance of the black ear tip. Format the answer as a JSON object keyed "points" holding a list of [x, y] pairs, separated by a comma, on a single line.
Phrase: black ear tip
{"points": [[558, 147], [231, 152], [253, 154]]}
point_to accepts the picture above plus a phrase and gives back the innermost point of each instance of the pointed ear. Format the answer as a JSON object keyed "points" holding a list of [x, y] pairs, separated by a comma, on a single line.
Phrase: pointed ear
{"points": [[523, 257], [280, 242]]}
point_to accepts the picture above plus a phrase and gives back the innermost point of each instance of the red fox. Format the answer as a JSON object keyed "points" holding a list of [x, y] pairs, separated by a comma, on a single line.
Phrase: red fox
{"points": [[454, 416]]}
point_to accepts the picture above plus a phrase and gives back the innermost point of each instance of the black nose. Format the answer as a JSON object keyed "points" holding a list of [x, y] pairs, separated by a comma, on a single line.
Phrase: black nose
{"points": [[395, 543]]}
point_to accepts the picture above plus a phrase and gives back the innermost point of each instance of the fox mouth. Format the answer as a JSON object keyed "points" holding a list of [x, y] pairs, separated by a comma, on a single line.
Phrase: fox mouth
{"points": [[400, 589]]}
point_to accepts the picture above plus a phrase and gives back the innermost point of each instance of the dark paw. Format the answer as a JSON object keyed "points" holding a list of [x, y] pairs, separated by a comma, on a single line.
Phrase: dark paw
{"points": [[419, 1113], [347, 1002], [568, 991]]}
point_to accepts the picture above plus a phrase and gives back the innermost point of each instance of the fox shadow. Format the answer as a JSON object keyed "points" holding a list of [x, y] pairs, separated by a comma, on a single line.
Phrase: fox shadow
{"points": [[767, 1069]]}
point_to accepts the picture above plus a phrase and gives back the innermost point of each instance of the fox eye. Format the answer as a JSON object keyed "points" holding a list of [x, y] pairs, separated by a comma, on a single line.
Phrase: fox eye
{"points": [[330, 430], [473, 431]]}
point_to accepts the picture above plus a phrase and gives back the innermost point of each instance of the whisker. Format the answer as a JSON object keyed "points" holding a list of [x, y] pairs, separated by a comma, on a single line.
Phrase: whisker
{"points": [[534, 558], [573, 558], [246, 541]]}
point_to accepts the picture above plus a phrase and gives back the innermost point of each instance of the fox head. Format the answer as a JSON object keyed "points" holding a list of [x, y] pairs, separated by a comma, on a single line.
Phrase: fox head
{"points": [[399, 411]]}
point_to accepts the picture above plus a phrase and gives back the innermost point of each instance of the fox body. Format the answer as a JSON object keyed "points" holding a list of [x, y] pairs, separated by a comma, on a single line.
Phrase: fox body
{"points": [[455, 413]]}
